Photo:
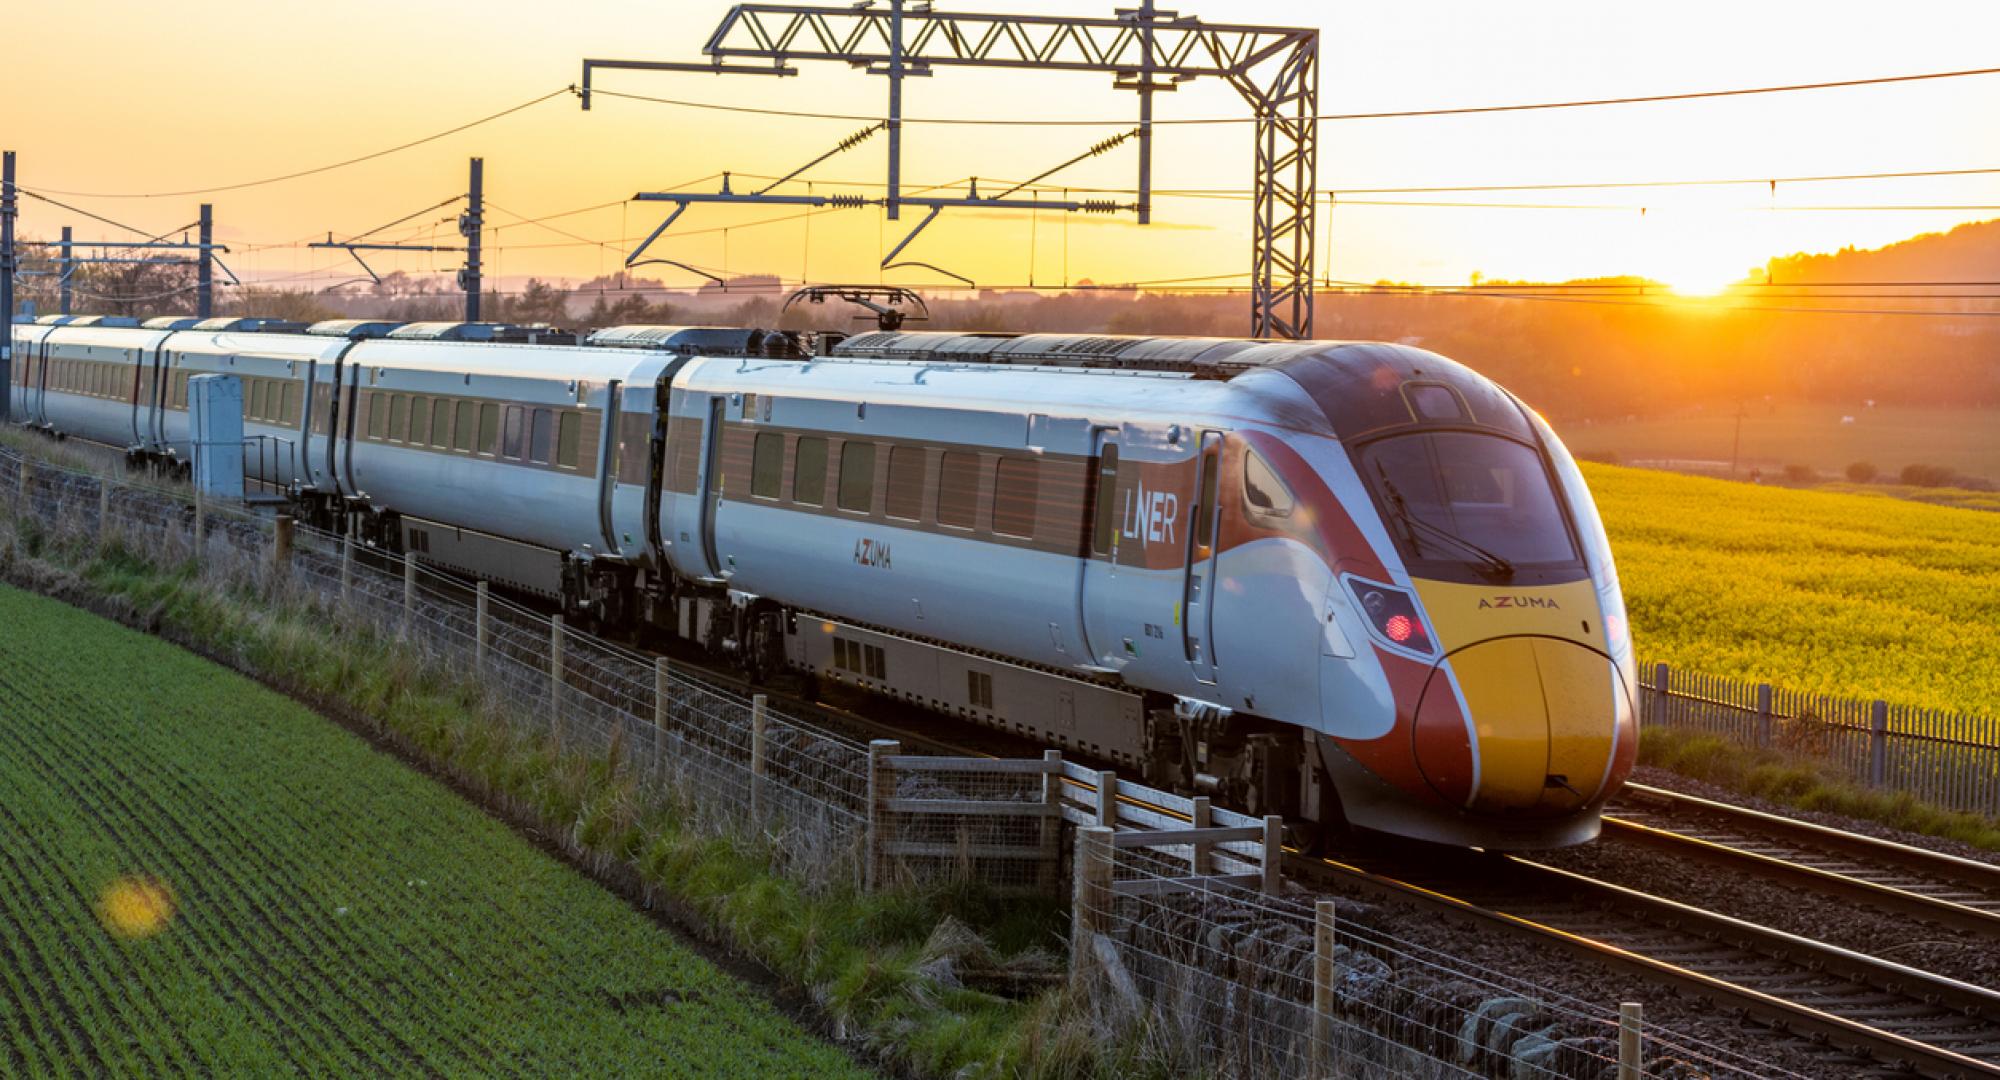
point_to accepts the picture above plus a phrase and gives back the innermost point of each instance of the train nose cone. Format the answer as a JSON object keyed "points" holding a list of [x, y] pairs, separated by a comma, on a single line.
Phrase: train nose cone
{"points": [[1519, 725]]}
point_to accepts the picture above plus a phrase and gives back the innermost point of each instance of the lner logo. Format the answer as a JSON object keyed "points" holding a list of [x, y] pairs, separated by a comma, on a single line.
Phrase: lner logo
{"points": [[1149, 516]]}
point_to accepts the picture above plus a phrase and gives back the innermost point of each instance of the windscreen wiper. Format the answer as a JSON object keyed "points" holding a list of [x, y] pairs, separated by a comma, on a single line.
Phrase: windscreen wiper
{"points": [[1411, 523]]}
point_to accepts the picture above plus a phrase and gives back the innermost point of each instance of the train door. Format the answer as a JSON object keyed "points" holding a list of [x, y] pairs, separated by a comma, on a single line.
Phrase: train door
{"points": [[710, 484], [41, 410], [135, 397], [156, 399], [1094, 597], [307, 474], [1198, 589], [353, 415]]}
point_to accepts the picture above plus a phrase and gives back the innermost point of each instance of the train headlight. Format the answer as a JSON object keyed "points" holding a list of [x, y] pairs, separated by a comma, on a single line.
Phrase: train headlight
{"points": [[1391, 614]]}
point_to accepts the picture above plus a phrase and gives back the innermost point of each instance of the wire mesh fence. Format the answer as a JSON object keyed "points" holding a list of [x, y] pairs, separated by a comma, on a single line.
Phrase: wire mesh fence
{"points": [[1947, 759]]}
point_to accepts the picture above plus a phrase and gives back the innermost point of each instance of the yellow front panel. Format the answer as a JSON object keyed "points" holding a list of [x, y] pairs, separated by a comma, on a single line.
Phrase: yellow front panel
{"points": [[1505, 699], [1580, 688], [1462, 614]]}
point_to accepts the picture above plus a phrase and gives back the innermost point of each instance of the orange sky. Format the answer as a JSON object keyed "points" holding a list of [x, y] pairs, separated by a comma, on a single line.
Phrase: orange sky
{"points": [[122, 97]]}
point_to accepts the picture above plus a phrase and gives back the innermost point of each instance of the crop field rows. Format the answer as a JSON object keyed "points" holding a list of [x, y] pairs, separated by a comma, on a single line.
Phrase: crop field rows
{"points": [[198, 875]]}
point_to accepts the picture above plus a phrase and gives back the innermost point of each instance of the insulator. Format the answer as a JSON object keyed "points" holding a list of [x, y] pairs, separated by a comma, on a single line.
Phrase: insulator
{"points": [[1100, 206], [847, 202], [855, 139], [1109, 143]]}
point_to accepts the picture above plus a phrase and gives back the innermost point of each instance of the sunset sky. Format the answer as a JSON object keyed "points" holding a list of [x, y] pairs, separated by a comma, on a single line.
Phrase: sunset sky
{"points": [[121, 97]]}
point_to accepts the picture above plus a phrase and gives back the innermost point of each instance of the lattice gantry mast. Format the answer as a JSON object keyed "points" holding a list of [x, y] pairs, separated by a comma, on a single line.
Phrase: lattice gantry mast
{"points": [[1144, 49]]}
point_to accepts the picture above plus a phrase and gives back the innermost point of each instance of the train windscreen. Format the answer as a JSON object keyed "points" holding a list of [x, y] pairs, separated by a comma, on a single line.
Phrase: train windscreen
{"points": [[1461, 504]]}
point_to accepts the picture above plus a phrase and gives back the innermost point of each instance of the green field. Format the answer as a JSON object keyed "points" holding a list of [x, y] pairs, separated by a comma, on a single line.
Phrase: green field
{"points": [[202, 877], [1845, 594], [1778, 434]]}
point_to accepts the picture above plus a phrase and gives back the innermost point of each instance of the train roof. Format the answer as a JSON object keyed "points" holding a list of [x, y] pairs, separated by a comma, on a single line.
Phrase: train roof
{"points": [[1202, 357]]}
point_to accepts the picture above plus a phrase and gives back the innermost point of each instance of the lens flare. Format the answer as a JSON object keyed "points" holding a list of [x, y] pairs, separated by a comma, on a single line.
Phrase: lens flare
{"points": [[136, 906]]}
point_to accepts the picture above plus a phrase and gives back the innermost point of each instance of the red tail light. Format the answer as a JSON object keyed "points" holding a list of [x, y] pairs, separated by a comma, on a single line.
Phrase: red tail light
{"points": [[1391, 613]]}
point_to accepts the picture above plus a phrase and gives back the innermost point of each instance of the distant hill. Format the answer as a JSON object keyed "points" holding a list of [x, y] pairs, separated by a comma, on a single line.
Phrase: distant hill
{"points": [[1966, 253]]}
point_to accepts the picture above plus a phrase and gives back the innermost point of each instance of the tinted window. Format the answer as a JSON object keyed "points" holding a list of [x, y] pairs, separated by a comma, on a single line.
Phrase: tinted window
{"points": [[489, 428], [767, 465], [569, 437], [540, 437], [1105, 528], [1462, 489], [1262, 490], [857, 476], [378, 414], [908, 469], [510, 436], [420, 421], [464, 426], [441, 425], [809, 472], [958, 490], [1014, 484], [291, 401], [399, 416]]}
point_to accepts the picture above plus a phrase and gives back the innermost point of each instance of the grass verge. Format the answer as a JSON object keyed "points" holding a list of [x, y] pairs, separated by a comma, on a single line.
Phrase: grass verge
{"points": [[1791, 781]]}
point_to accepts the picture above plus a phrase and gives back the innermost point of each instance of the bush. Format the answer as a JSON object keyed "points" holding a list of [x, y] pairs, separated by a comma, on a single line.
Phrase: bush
{"points": [[1801, 474], [1926, 475], [1861, 472]]}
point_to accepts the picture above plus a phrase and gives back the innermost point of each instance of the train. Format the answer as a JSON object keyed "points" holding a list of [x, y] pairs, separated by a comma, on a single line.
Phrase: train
{"points": [[1358, 584]]}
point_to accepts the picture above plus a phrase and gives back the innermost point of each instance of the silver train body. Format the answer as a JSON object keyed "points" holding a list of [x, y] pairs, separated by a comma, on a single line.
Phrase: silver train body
{"points": [[1352, 583]]}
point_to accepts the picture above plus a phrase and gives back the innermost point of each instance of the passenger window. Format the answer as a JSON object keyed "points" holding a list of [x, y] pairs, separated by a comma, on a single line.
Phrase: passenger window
{"points": [[857, 476], [1105, 528], [767, 465], [489, 429], [540, 437], [291, 401], [635, 448], [1014, 494], [569, 436], [1262, 490], [441, 424], [510, 436], [908, 469], [1204, 534], [376, 414], [958, 490], [399, 417], [463, 427], [809, 472], [420, 421]]}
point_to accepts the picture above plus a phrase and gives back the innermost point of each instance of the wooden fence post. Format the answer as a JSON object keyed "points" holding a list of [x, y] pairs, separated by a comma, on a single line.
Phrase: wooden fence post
{"points": [[1107, 799], [1050, 836], [1324, 977], [482, 625], [281, 541], [409, 590], [200, 523], [1764, 714], [1203, 816], [1662, 677], [1878, 743], [1631, 1053], [1090, 899], [1274, 854], [757, 724], [555, 672], [881, 788]]}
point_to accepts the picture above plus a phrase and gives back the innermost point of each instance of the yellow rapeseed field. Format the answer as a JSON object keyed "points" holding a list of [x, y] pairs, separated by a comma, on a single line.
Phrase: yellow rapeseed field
{"points": [[1842, 594]]}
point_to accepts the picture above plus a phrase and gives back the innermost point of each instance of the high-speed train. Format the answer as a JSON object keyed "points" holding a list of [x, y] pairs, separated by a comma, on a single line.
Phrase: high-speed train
{"points": [[1357, 584]]}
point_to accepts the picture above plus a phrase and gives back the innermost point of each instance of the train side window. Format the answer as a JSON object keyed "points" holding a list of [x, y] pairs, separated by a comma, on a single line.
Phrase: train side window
{"points": [[1263, 492], [878, 663], [857, 476], [979, 690], [463, 426], [291, 401], [1204, 529], [181, 392], [909, 467], [489, 429], [399, 416], [809, 472], [767, 465], [377, 414], [635, 448], [420, 421], [1014, 496], [539, 437], [569, 437], [1105, 527], [510, 436], [441, 424], [958, 490]]}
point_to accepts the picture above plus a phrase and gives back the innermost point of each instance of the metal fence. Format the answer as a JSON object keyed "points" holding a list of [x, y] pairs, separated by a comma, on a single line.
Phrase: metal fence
{"points": [[1946, 759]]}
